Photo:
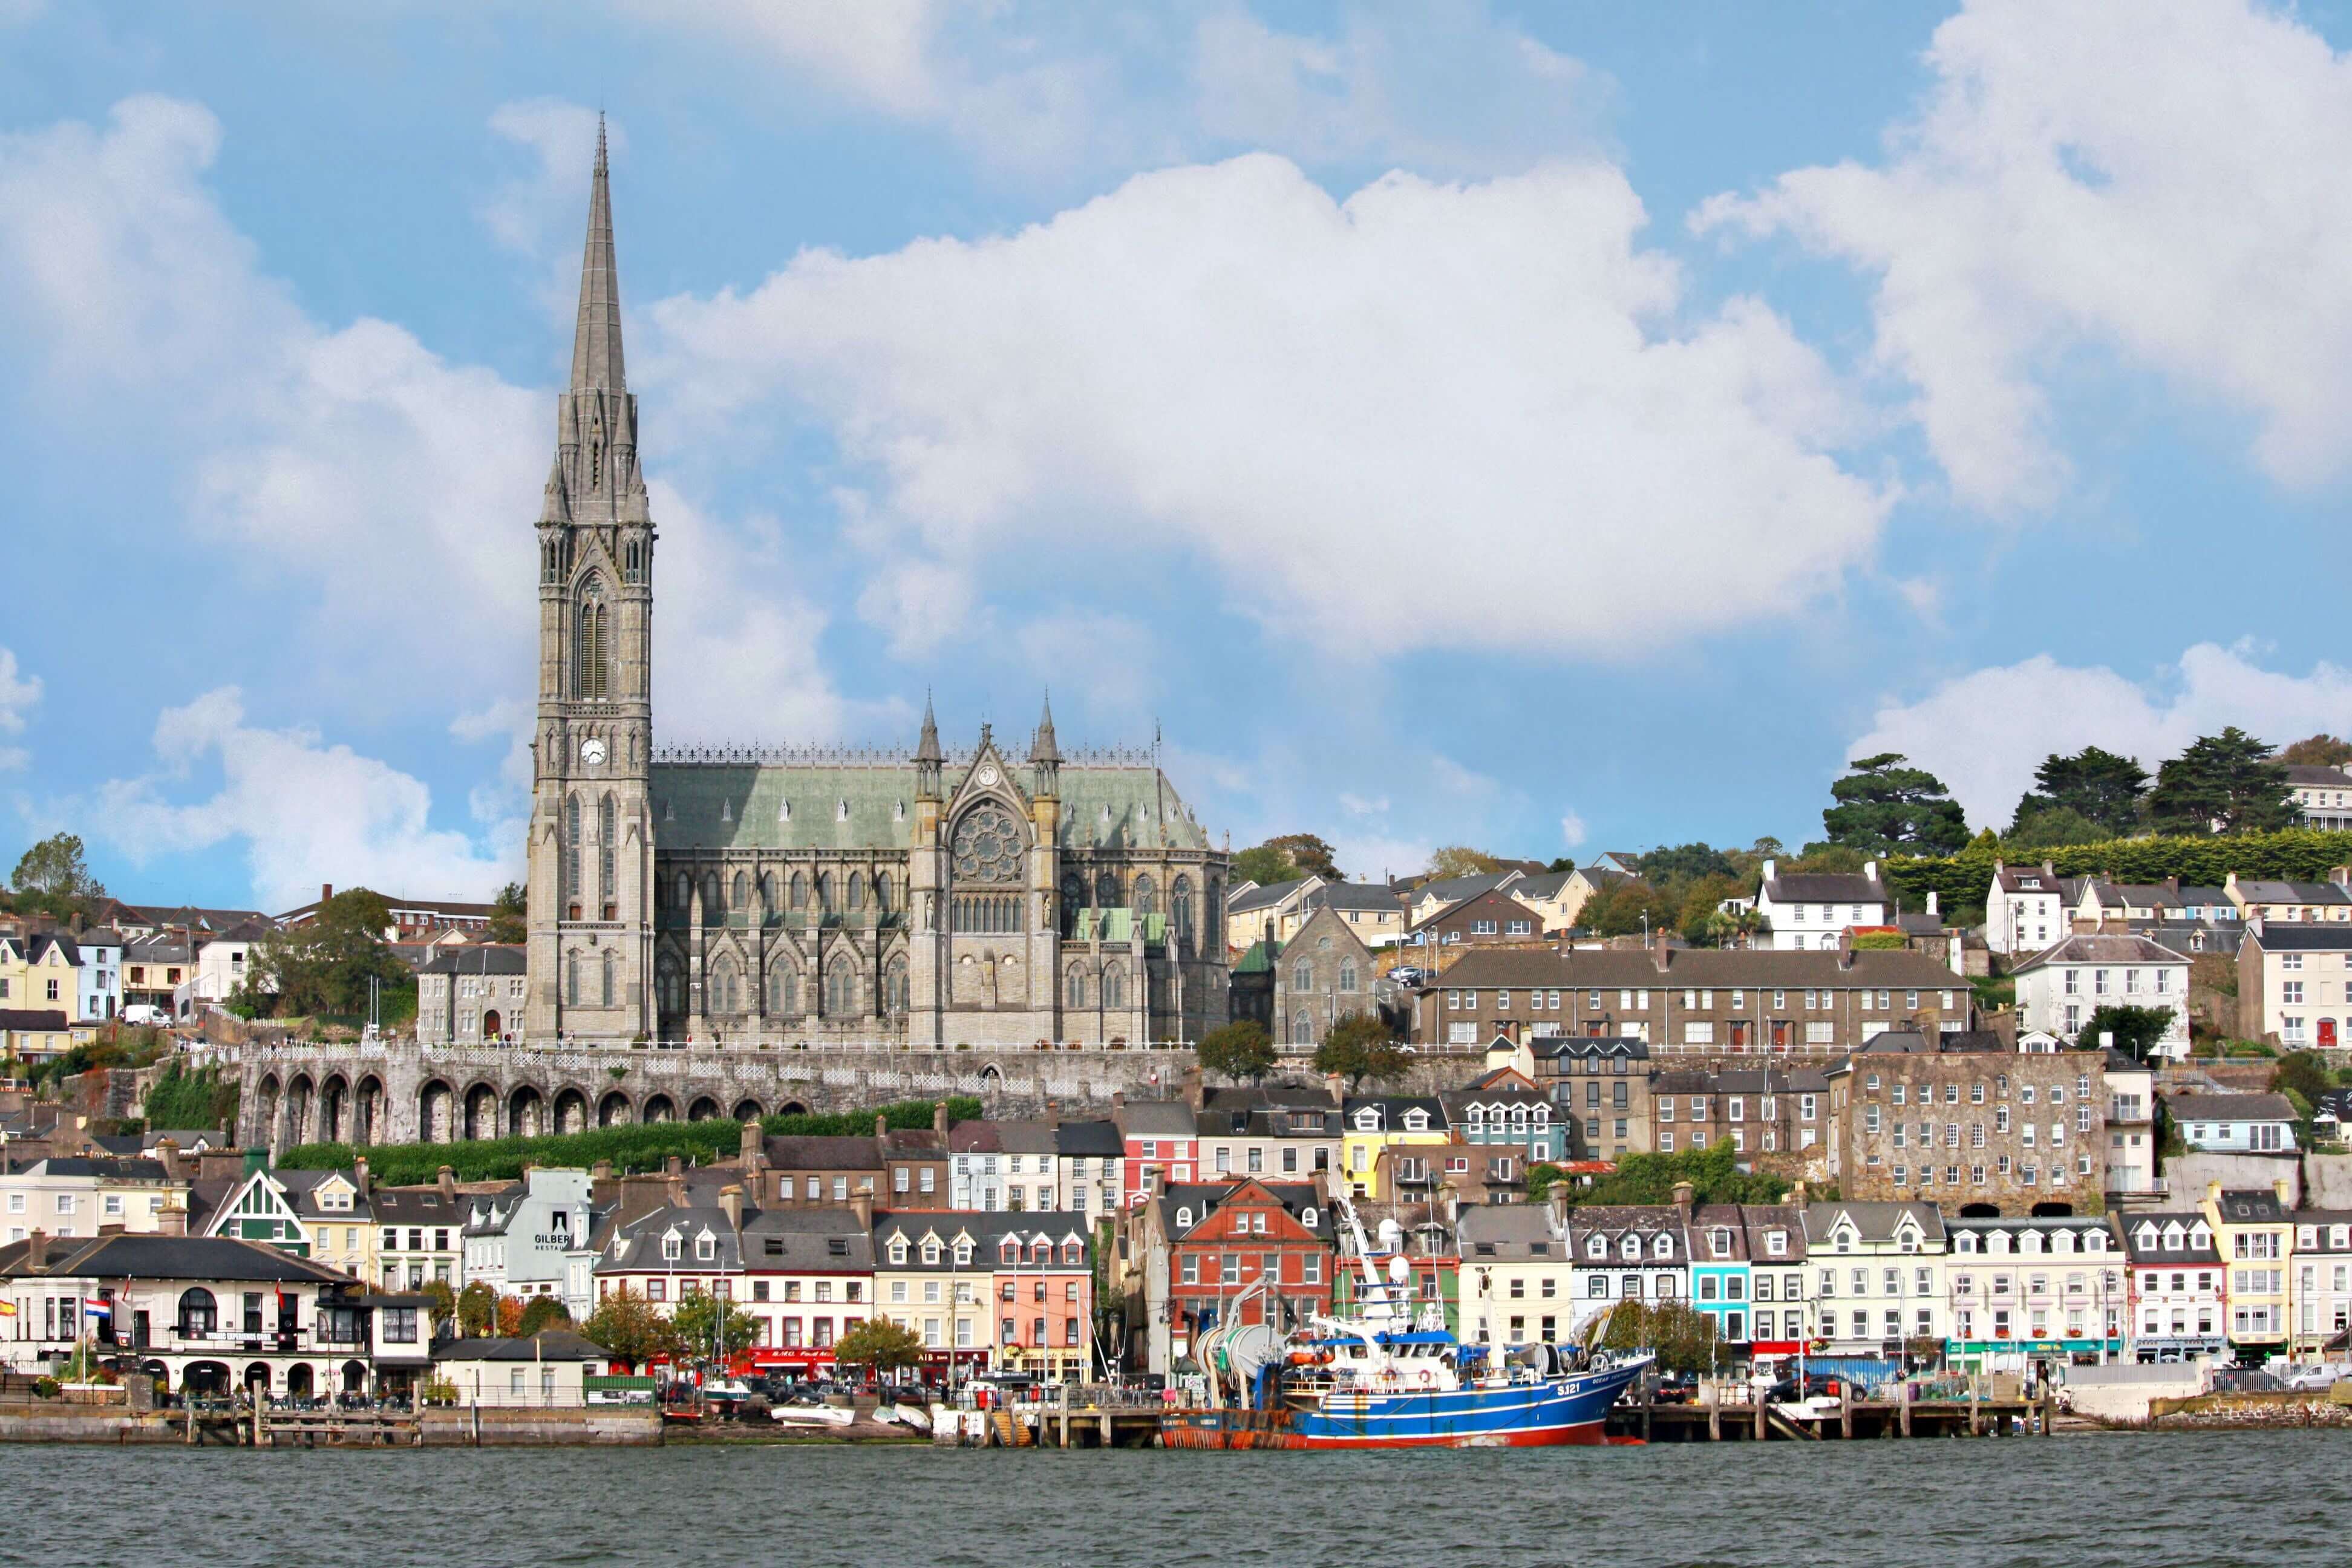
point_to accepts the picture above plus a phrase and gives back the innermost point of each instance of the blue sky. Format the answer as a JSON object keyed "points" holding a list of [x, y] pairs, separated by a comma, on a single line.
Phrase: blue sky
{"points": [[1557, 429]]}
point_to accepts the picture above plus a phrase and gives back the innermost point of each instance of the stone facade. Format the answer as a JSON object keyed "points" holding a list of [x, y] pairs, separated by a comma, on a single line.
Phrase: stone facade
{"points": [[1981, 1131], [789, 898]]}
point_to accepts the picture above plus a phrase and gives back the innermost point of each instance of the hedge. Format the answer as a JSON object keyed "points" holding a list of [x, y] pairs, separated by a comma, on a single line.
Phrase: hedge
{"points": [[2298, 855], [644, 1146]]}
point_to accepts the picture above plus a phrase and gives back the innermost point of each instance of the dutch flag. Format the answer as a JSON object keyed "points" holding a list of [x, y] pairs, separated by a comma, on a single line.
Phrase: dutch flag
{"points": [[93, 1306]]}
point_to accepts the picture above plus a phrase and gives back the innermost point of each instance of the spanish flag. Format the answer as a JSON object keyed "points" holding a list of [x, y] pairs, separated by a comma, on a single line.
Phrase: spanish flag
{"points": [[7, 1308]]}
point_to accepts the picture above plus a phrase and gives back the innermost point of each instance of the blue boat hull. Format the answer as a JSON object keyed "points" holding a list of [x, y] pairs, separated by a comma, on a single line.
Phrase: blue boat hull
{"points": [[1564, 1410]]}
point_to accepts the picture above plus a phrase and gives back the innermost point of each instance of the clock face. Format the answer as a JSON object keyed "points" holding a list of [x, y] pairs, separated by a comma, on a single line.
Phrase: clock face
{"points": [[591, 751], [986, 776]]}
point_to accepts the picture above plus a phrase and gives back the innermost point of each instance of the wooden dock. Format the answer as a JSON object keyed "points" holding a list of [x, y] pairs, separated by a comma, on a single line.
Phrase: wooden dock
{"points": [[227, 1426], [1823, 1420]]}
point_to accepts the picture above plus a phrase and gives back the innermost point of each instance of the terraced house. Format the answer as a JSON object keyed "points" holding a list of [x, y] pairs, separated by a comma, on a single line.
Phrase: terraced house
{"points": [[2025, 1289]]}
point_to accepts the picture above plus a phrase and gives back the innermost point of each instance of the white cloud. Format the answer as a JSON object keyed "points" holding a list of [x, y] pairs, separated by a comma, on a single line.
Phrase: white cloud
{"points": [[1350, 412], [1985, 732], [18, 694], [1372, 856], [307, 813], [2160, 182], [875, 52], [396, 489], [1357, 806], [1571, 830], [541, 208]]}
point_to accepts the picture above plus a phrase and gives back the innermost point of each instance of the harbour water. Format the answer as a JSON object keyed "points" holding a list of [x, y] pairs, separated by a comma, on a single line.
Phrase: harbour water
{"points": [[2212, 1499]]}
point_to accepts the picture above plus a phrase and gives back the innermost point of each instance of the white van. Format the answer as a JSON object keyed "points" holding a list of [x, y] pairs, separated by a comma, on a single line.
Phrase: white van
{"points": [[145, 1013]]}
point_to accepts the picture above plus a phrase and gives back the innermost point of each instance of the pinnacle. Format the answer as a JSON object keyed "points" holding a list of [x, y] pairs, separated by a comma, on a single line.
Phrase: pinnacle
{"points": [[596, 361]]}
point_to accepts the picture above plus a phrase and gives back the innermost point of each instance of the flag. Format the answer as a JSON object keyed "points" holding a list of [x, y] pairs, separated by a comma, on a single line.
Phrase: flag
{"points": [[96, 1308], [7, 1308]]}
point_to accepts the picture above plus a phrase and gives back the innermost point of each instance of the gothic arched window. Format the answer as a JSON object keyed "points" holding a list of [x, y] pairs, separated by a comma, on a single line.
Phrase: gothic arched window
{"points": [[710, 904], [611, 975], [1105, 890], [894, 987], [726, 988], [1074, 899], [1348, 974], [856, 892], [571, 851], [1073, 987], [608, 828], [572, 978], [1302, 1028], [1146, 896], [669, 986], [800, 892], [881, 892], [1214, 915], [742, 892], [591, 649], [1114, 986], [825, 892], [783, 991], [1302, 976], [1180, 907], [840, 989], [767, 893], [988, 847]]}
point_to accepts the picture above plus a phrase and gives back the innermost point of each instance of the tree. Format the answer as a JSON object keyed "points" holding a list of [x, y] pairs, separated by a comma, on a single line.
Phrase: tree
{"points": [[1882, 806], [1360, 1046], [1618, 910], [699, 1322], [1451, 860], [2322, 750], [626, 1324], [56, 867], [2052, 828], [542, 1312], [1265, 865], [2227, 782], [443, 1300], [324, 965], [478, 1310], [2103, 788], [1713, 1172], [510, 915], [509, 1316], [1308, 853], [2136, 1029], [1242, 1050], [1682, 1336], [1687, 863], [880, 1343], [2304, 1073]]}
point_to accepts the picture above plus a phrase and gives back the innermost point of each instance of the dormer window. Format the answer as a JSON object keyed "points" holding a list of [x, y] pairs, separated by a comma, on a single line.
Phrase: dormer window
{"points": [[1009, 1252], [1663, 1248], [1718, 1241], [705, 1248], [1073, 1254], [963, 1252], [898, 1252], [1310, 1219], [1964, 1242], [1416, 1122], [1184, 1218], [931, 1254], [2147, 1236], [1597, 1248], [672, 1248], [1776, 1244], [1633, 1250]]}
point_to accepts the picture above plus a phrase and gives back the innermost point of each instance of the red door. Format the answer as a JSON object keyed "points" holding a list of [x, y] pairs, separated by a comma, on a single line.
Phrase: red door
{"points": [[2327, 1033]]}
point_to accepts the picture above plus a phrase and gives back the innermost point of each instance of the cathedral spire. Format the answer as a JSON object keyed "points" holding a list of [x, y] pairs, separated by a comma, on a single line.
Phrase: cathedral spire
{"points": [[1044, 748], [926, 749], [596, 349]]}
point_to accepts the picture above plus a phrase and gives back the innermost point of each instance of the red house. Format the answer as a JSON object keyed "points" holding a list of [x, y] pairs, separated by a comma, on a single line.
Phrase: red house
{"points": [[1223, 1240]]}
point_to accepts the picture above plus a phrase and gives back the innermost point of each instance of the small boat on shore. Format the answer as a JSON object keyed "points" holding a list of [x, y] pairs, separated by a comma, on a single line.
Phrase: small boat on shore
{"points": [[812, 1415], [909, 1416]]}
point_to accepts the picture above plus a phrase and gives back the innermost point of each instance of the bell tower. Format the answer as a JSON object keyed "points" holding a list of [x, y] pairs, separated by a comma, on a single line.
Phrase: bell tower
{"points": [[591, 855]]}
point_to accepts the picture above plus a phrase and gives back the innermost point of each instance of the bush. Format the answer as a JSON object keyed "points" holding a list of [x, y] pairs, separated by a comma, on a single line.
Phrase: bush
{"points": [[190, 1100], [46, 1387], [2298, 855], [644, 1146]]}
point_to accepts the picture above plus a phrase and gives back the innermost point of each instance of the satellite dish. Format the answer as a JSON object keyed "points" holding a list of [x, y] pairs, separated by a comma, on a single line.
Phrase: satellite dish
{"points": [[1398, 1270]]}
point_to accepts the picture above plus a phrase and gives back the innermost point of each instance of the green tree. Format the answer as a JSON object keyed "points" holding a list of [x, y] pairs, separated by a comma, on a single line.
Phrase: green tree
{"points": [[880, 1343], [626, 1324], [445, 1301], [1360, 1046], [1265, 865], [543, 1312], [1308, 853], [324, 965], [510, 915], [1682, 1336], [478, 1310], [2052, 828], [700, 1321], [2321, 750], [1687, 863], [2136, 1029], [1884, 808], [2227, 782], [2305, 1073], [1452, 861], [1241, 1049], [2101, 788], [1835, 859], [56, 867], [1713, 1172], [1618, 909]]}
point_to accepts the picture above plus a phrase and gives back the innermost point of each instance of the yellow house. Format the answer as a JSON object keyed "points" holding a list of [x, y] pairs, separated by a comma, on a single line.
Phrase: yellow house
{"points": [[39, 974], [1370, 1123], [2254, 1229]]}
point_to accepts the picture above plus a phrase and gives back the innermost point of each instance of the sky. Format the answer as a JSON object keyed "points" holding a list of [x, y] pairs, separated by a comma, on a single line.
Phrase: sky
{"points": [[1554, 429]]}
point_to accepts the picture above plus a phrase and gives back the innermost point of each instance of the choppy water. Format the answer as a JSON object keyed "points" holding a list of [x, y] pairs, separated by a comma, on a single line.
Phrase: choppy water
{"points": [[2221, 1499]]}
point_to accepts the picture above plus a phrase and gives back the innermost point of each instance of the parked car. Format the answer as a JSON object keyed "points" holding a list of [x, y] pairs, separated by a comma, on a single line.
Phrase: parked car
{"points": [[145, 1013], [1817, 1385], [2316, 1376], [1408, 975], [1676, 1388]]}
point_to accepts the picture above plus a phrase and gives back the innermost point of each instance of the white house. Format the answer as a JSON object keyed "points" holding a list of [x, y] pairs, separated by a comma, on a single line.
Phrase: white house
{"points": [[2176, 1286], [100, 982], [2131, 1126], [1878, 1275], [2060, 987], [2234, 1123], [1812, 909], [534, 1239], [2025, 909]]}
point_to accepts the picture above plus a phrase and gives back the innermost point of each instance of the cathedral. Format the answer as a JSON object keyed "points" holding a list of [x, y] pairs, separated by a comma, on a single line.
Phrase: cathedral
{"points": [[994, 896]]}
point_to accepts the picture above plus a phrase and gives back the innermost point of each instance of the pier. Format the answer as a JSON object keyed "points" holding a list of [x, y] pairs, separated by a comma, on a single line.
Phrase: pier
{"points": [[1841, 1419]]}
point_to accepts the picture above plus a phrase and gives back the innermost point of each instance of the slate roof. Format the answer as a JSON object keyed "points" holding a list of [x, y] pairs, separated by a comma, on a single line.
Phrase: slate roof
{"points": [[475, 958], [2252, 1205], [2109, 950], [1633, 968], [634, 1248], [2230, 1108], [2318, 774], [170, 1257], [1873, 1221], [1615, 1222], [1825, 888], [415, 1205], [112, 1169], [554, 1344], [32, 1020], [987, 1230], [1089, 1140], [1455, 889], [803, 1239], [2275, 892], [1393, 1109], [815, 1151], [2303, 936], [2130, 1225], [1509, 1232], [1155, 1118], [1297, 1198], [1557, 1048], [1264, 896], [1344, 895]]}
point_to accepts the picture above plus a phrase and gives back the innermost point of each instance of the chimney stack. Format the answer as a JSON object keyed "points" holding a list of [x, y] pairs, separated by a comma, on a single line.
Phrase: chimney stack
{"points": [[36, 1248], [326, 891], [674, 1182], [167, 1153], [1684, 1193], [750, 1150], [172, 1219], [446, 1178], [1118, 1099], [730, 1203], [1799, 1193], [1931, 902], [1658, 949], [360, 1177], [881, 1124], [940, 1118], [602, 1171], [861, 1204]]}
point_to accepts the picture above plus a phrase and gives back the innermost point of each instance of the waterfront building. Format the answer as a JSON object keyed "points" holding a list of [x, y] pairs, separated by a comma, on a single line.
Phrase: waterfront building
{"points": [[1517, 1278], [1773, 1118], [678, 1250], [537, 1238], [208, 1314], [2179, 1310], [1044, 1289], [545, 1371], [1262, 1249], [1878, 1276], [419, 1233], [2255, 1230], [2023, 1290], [930, 1273], [809, 1278], [2322, 1307], [1630, 1252], [322, 1215], [1163, 1145], [1780, 1320]]}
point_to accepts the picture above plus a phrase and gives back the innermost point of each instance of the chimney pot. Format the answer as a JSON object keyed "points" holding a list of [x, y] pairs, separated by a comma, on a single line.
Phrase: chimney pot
{"points": [[326, 891], [446, 1178], [359, 1175], [861, 1204], [881, 1124], [730, 1203], [36, 1248]]}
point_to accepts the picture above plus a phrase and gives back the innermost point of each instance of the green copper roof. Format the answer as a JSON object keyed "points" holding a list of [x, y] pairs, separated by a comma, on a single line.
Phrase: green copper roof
{"points": [[855, 806]]}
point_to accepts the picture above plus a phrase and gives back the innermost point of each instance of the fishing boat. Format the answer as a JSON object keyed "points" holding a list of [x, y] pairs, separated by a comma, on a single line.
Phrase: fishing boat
{"points": [[1383, 1378]]}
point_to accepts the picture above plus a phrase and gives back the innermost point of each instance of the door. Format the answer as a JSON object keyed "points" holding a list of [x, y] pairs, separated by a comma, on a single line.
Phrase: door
{"points": [[1779, 1034], [1739, 1035], [491, 1025], [2327, 1034]]}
